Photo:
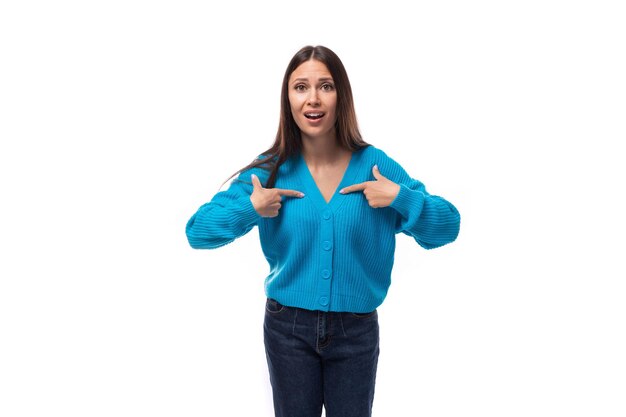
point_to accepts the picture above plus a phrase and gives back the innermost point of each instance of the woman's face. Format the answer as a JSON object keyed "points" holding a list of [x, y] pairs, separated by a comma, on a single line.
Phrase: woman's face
{"points": [[313, 99]]}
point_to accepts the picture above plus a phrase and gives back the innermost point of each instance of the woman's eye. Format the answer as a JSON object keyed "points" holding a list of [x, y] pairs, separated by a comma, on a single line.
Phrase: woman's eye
{"points": [[300, 87], [327, 87]]}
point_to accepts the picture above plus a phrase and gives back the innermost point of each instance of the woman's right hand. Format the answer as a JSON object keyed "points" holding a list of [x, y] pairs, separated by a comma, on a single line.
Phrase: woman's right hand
{"points": [[266, 201]]}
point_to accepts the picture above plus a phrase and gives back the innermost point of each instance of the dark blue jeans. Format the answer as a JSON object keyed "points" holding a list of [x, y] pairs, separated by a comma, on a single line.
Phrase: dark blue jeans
{"points": [[320, 358]]}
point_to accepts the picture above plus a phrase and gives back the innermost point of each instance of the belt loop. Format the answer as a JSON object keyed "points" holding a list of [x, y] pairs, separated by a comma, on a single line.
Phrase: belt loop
{"points": [[295, 318], [343, 330]]}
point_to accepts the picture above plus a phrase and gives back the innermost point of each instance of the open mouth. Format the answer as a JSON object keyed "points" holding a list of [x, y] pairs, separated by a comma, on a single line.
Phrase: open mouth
{"points": [[314, 115]]}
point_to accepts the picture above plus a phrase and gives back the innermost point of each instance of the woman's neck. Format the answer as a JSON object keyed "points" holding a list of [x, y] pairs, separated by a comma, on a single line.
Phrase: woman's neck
{"points": [[322, 151]]}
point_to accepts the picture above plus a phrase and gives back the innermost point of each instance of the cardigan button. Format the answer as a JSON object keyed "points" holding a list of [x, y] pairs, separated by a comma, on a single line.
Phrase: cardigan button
{"points": [[324, 301], [326, 215], [326, 274], [327, 245]]}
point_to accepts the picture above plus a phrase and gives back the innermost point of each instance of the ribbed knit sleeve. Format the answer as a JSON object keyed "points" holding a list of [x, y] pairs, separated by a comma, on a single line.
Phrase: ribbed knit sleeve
{"points": [[430, 220], [229, 215]]}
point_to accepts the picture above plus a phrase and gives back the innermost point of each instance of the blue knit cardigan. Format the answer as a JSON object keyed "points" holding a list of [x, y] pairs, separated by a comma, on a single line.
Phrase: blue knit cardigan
{"points": [[334, 256]]}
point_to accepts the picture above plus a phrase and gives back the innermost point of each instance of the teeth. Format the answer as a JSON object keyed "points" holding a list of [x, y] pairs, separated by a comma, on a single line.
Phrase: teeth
{"points": [[315, 115]]}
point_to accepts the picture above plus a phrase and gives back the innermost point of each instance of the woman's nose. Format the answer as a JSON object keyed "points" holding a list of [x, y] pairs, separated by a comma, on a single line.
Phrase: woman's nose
{"points": [[313, 97]]}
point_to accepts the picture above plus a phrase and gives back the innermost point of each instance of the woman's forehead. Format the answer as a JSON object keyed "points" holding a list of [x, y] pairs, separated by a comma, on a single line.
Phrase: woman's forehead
{"points": [[311, 69]]}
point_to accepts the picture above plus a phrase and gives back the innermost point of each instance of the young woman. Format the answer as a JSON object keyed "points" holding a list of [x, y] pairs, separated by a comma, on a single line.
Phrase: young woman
{"points": [[328, 206]]}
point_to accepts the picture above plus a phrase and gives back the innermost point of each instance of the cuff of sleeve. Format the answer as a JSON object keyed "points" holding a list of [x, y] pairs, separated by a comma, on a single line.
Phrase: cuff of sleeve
{"points": [[247, 214], [408, 201]]}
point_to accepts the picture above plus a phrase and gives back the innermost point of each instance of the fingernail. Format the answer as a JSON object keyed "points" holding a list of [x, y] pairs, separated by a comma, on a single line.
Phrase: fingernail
{"points": [[376, 167], [341, 191], [301, 194]]}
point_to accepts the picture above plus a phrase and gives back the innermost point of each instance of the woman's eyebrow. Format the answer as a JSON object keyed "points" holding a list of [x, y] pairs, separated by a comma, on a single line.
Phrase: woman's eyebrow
{"points": [[324, 79]]}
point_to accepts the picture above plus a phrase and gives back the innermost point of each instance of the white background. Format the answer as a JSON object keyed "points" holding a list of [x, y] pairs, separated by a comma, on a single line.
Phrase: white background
{"points": [[118, 119]]}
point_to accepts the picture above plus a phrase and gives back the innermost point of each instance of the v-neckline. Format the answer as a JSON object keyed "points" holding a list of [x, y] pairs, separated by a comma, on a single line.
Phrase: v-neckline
{"points": [[313, 190]]}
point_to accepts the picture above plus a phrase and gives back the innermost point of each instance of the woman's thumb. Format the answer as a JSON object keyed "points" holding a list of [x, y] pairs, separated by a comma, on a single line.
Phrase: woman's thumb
{"points": [[255, 181]]}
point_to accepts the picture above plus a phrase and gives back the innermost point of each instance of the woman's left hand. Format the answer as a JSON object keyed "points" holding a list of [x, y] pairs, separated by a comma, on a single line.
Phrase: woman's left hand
{"points": [[379, 193]]}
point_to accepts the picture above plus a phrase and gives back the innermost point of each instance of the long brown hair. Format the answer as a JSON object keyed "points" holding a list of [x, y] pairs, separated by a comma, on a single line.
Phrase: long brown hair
{"points": [[288, 141]]}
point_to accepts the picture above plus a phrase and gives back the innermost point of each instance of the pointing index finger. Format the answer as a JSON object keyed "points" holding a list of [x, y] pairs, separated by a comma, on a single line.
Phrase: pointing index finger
{"points": [[289, 193], [354, 187]]}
